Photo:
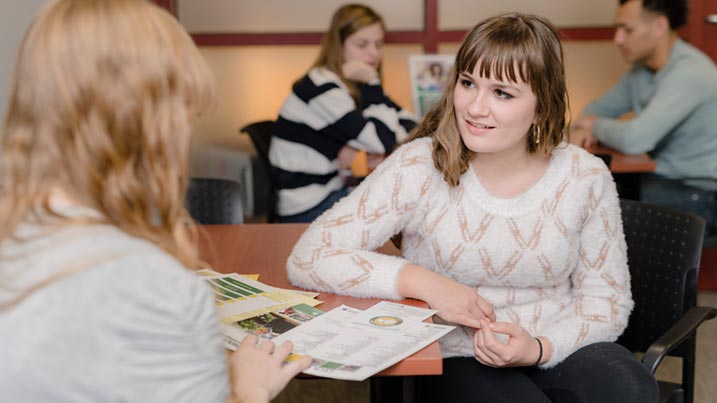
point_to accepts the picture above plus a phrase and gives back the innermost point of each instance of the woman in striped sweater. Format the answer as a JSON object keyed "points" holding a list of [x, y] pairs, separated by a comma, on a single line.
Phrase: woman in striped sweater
{"points": [[337, 108]]}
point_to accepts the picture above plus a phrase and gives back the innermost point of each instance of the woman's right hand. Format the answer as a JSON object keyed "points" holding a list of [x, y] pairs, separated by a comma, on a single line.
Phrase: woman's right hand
{"points": [[359, 71], [258, 371], [455, 302]]}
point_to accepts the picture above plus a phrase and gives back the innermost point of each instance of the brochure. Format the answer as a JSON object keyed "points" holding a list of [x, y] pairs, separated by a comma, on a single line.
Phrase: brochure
{"points": [[240, 297], [350, 344], [268, 325], [345, 343]]}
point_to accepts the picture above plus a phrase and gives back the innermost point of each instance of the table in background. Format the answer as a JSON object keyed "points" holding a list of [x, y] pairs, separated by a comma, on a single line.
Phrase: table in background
{"points": [[626, 170], [264, 248]]}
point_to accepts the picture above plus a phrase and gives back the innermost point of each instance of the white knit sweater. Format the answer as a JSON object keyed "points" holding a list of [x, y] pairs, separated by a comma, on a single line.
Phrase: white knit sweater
{"points": [[552, 259]]}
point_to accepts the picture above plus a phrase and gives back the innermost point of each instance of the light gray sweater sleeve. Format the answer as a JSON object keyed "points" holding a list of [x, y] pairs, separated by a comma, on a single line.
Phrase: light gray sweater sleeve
{"points": [[613, 103], [676, 97]]}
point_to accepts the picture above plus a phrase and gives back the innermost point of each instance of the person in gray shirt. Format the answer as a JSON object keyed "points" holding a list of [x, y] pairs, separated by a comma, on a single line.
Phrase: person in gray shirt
{"points": [[98, 300], [672, 91]]}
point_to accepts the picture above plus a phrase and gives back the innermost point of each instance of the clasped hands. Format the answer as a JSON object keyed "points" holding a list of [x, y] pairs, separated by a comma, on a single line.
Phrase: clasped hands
{"points": [[460, 304]]}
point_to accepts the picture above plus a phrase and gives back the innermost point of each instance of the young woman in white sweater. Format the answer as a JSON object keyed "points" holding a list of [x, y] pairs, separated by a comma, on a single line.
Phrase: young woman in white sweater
{"points": [[508, 231]]}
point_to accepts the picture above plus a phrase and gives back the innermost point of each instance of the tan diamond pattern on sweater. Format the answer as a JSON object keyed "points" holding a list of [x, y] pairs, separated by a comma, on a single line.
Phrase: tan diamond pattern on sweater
{"points": [[469, 236], [365, 269], [447, 264], [367, 214], [550, 205], [539, 262], [502, 271], [530, 243]]}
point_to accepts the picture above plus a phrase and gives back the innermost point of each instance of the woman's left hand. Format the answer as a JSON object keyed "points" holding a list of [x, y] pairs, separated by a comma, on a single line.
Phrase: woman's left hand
{"points": [[359, 71], [521, 349]]}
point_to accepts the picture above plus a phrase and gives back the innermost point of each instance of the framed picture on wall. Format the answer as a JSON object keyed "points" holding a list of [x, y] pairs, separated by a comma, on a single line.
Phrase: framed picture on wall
{"points": [[429, 74]]}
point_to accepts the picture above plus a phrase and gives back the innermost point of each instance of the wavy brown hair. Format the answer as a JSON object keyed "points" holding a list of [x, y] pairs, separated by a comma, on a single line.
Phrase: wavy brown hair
{"points": [[509, 46], [346, 20], [100, 108]]}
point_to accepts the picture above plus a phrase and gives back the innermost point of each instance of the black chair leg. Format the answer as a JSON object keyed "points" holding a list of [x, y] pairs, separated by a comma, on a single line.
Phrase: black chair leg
{"points": [[386, 389], [688, 369]]}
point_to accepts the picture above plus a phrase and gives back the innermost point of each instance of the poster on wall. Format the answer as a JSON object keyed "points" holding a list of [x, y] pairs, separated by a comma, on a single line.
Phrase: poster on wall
{"points": [[429, 75]]}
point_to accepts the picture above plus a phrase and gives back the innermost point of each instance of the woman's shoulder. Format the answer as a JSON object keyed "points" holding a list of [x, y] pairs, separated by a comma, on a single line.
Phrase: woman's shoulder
{"points": [[412, 161], [583, 168], [78, 250], [417, 152], [317, 82], [579, 159], [141, 262], [322, 76], [419, 145]]}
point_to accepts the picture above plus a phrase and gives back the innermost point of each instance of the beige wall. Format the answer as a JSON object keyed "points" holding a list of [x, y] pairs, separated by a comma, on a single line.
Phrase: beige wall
{"points": [[295, 16], [460, 14], [253, 81]]}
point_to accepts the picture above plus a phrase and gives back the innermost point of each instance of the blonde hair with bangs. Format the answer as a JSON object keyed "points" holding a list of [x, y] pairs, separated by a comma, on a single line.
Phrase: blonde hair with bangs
{"points": [[100, 108], [346, 20], [510, 46]]}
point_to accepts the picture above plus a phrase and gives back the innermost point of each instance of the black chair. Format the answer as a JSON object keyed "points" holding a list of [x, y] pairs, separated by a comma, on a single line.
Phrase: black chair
{"points": [[260, 134], [663, 252], [214, 201]]}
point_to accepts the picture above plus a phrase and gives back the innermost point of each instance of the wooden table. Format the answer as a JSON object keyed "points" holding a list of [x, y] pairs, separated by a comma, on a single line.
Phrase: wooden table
{"points": [[626, 170], [264, 249], [625, 163]]}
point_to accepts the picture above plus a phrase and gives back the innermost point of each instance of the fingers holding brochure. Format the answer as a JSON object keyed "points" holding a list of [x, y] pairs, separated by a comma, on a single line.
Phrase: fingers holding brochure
{"points": [[259, 371]]}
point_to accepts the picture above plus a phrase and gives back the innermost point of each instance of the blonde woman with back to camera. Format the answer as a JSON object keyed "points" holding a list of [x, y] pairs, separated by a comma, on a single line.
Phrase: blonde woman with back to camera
{"points": [[96, 299], [508, 232]]}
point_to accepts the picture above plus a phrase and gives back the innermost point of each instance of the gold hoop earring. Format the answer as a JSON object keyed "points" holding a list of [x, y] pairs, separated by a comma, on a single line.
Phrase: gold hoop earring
{"points": [[536, 134]]}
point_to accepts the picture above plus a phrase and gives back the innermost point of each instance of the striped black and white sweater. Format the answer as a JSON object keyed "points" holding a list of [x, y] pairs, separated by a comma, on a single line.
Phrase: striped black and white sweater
{"points": [[315, 122]]}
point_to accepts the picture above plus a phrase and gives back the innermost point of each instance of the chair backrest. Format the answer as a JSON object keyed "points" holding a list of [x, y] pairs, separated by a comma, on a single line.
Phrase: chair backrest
{"points": [[214, 201], [260, 134], [663, 252]]}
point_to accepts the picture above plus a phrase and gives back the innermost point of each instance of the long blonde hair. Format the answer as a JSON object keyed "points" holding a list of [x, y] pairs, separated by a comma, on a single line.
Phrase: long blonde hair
{"points": [[499, 44], [100, 108], [346, 20]]}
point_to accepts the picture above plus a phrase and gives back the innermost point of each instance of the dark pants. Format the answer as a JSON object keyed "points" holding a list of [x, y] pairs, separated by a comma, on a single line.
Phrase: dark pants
{"points": [[315, 212], [600, 372], [679, 196]]}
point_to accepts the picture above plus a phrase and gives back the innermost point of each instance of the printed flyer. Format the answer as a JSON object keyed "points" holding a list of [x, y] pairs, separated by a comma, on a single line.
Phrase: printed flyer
{"points": [[350, 344]]}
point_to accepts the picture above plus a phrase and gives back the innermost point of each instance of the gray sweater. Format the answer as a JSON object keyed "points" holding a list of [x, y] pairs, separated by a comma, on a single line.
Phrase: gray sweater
{"points": [[675, 112], [128, 324]]}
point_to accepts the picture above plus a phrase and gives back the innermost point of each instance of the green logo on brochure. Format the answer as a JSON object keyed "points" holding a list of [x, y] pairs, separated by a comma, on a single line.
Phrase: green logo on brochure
{"points": [[385, 321]]}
